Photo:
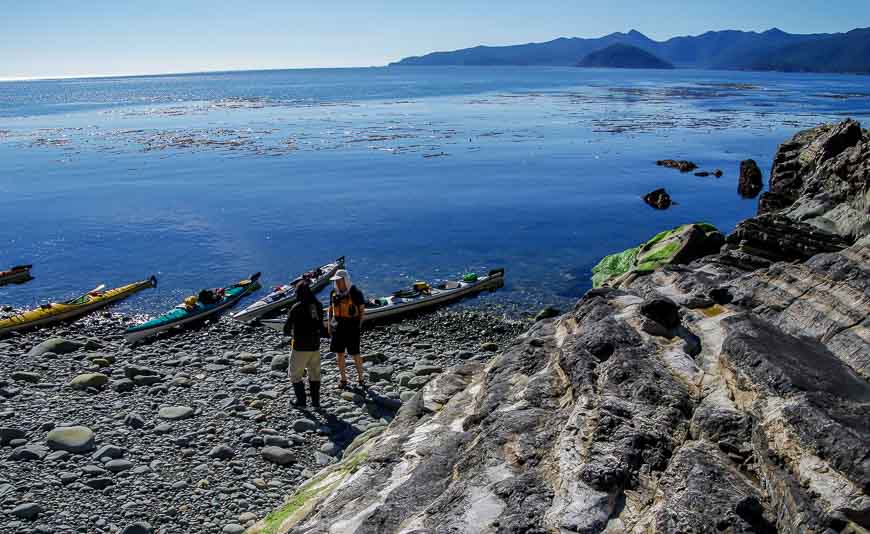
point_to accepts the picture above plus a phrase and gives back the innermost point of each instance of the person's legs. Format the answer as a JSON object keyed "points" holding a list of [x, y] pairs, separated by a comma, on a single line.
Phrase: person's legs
{"points": [[337, 345], [339, 356], [353, 347], [360, 375], [295, 370], [314, 378]]}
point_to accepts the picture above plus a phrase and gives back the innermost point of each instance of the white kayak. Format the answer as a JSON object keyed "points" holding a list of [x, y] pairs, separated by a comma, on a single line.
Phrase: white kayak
{"points": [[420, 297], [285, 296]]}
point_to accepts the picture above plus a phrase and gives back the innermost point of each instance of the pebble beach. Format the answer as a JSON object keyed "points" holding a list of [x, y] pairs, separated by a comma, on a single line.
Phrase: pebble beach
{"points": [[194, 431]]}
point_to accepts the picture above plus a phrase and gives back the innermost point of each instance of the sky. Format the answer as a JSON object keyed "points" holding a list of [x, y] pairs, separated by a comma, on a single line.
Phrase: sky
{"points": [[58, 38]]}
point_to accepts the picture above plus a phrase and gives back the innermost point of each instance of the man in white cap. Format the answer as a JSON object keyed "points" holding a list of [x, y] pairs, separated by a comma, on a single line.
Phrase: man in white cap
{"points": [[346, 310]]}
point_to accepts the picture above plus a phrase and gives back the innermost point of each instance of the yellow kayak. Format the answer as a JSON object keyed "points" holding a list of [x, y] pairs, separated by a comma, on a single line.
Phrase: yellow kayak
{"points": [[74, 308]]}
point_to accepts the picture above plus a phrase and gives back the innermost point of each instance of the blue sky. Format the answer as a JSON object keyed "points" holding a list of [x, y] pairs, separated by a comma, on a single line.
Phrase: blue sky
{"points": [[44, 38]]}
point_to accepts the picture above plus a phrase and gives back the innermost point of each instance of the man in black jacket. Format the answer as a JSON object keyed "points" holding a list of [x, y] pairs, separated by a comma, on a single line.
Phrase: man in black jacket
{"points": [[305, 324]]}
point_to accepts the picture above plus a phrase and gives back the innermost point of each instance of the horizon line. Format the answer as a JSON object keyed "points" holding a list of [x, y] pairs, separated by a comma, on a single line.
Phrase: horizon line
{"points": [[173, 73], [387, 64]]}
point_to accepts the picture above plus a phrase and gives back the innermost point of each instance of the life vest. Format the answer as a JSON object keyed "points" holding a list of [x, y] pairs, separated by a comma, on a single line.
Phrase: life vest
{"points": [[344, 307]]}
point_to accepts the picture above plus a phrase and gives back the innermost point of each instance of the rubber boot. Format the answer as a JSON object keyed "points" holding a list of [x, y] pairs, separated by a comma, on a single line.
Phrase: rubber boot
{"points": [[315, 394], [299, 390]]}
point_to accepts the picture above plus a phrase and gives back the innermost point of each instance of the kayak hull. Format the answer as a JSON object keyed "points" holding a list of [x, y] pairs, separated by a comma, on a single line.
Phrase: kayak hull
{"points": [[16, 275], [179, 317], [65, 311], [286, 296], [439, 297]]}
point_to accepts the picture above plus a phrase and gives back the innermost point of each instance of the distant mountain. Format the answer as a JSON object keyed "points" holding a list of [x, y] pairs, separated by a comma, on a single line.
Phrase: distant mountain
{"points": [[848, 52], [562, 51], [729, 49], [623, 56]]}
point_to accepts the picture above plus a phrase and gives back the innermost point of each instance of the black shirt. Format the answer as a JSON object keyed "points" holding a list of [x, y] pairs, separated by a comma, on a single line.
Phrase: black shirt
{"points": [[305, 323]]}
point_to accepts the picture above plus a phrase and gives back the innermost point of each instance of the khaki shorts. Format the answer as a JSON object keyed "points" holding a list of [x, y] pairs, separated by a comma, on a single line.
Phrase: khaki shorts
{"points": [[300, 360]]}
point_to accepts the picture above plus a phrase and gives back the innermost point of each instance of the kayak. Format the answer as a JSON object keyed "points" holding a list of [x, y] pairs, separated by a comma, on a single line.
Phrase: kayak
{"points": [[16, 275], [285, 296], [194, 309], [421, 296], [74, 308]]}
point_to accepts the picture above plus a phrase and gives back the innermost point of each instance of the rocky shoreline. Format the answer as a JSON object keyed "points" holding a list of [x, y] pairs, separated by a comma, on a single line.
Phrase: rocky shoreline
{"points": [[708, 383], [694, 390], [193, 432]]}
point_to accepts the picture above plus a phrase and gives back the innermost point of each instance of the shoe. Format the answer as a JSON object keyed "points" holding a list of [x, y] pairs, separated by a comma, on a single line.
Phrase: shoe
{"points": [[342, 385], [299, 390], [315, 393]]}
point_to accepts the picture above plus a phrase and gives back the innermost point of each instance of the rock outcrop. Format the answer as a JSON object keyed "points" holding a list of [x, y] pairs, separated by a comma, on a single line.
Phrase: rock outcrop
{"points": [[680, 245], [714, 396], [821, 177], [659, 199], [749, 182]]}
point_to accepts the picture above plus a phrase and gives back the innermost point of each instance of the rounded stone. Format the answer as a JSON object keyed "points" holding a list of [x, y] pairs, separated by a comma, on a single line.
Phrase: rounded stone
{"points": [[278, 455], [28, 510], [71, 439], [174, 413], [140, 527], [89, 380]]}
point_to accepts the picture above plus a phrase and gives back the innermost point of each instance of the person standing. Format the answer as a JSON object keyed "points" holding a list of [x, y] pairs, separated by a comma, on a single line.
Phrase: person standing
{"points": [[346, 311], [304, 324]]}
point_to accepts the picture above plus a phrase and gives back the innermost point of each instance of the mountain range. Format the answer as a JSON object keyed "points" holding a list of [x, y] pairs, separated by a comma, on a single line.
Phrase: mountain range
{"points": [[773, 49]]}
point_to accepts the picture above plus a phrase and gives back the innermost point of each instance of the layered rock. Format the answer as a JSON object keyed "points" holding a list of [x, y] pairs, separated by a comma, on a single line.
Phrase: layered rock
{"points": [[729, 394], [821, 177]]}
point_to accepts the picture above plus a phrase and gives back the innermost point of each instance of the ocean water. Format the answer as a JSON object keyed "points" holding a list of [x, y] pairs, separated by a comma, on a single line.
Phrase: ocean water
{"points": [[412, 173]]}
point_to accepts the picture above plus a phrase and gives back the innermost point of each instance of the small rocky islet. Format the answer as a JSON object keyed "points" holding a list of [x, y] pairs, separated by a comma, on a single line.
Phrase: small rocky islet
{"points": [[194, 432], [708, 383]]}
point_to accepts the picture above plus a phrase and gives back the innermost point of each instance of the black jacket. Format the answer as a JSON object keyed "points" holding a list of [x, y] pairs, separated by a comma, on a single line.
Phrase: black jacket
{"points": [[305, 323]]}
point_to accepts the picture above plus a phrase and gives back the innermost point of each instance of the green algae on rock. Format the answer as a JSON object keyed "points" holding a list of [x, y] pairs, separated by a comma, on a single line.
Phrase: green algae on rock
{"points": [[309, 494], [679, 245]]}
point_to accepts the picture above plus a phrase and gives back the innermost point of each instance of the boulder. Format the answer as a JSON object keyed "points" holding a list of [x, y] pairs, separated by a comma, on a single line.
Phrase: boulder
{"points": [[750, 182], [27, 510], [681, 245], [139, 527], [280, 362], [8, 434], [76, 439], [55, 345], [26, 376], [278, 455], [89, 380], [123, 385], [28, 453], [380, 372], [659, 199], [222, 452], [175, 413]]}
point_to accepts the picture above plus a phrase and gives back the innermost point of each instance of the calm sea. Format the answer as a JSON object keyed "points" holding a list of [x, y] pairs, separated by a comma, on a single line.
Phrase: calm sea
{"points": [[412, 173]]}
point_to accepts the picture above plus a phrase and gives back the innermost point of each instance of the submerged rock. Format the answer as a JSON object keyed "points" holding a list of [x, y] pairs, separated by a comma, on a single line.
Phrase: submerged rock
{"points": [[680, 165], [659, 199]]}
